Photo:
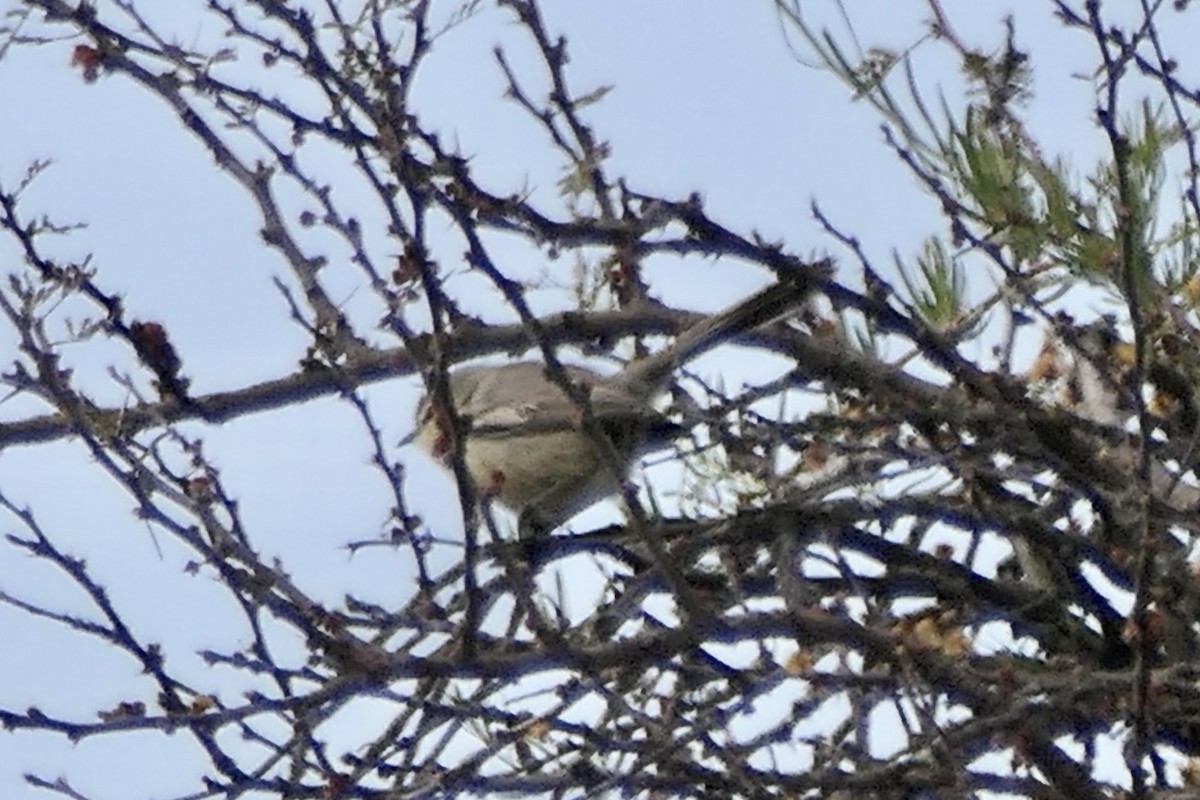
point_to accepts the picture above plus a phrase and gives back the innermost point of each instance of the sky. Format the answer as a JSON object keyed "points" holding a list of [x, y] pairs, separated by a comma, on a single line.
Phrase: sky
{"points": [[707, 98]]}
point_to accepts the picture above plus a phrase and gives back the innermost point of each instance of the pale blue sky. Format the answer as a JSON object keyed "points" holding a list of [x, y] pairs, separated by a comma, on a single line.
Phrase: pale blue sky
{"points": [[707, 98]]}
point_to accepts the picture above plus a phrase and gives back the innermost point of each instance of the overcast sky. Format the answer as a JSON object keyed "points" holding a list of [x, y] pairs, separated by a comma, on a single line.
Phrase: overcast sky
{"points": [[707, 98]]}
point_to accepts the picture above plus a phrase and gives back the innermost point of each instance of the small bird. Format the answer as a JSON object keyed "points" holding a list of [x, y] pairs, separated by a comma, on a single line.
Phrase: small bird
{"points": [[524, 439], [526, 447]]}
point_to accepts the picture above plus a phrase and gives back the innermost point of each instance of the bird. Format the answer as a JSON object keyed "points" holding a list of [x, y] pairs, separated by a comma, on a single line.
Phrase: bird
{"points": [[524, 438]]}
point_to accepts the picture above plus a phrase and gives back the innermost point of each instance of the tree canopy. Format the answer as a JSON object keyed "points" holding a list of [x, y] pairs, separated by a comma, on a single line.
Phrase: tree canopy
{"points": [[930, 532]]}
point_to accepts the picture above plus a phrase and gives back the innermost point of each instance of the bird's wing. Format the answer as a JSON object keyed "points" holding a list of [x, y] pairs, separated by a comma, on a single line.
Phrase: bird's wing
{"points": [[510, 412]]}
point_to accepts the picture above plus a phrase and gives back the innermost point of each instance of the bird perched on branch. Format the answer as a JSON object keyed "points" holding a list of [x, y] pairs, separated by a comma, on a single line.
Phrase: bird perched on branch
{"points": [[527, 442]]}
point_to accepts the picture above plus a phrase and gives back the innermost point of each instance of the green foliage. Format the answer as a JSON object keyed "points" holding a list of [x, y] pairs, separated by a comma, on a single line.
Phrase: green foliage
{"points": [[936, 288]]}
